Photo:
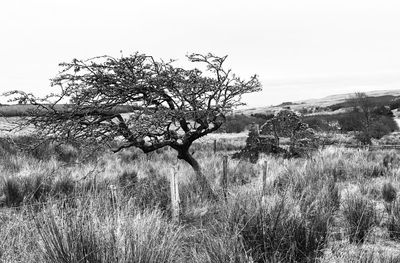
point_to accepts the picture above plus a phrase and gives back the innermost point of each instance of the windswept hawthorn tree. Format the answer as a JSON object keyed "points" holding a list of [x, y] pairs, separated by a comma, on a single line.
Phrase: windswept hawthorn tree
{"points": [[168, 105]]}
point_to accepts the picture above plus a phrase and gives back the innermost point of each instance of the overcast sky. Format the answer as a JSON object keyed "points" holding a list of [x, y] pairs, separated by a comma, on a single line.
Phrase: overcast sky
{"points": [[300, 49]]}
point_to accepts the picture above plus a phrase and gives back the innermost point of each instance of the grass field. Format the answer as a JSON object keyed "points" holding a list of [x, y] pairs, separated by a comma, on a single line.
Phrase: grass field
{"points": [[340, 205]]}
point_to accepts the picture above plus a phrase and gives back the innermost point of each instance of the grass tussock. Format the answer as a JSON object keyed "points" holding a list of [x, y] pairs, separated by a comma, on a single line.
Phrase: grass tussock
{"points": [[360, 216], [393, 223], [276, 227], [91, 236]]}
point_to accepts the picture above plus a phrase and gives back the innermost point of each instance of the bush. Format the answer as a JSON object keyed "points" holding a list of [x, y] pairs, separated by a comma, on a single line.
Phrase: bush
{"points": [[382, 124], [12, 190], [390, 160], [389, 193], [66, 153], [375, 170], [240, 122], [128, 181], [360, 215]]}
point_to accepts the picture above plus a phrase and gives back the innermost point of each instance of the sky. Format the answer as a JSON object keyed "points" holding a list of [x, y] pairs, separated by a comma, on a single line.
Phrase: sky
{"points": [[300, 49]]}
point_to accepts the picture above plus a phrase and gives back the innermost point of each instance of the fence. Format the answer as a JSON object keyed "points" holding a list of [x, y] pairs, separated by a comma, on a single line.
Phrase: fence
{"points": [[372, 147]]}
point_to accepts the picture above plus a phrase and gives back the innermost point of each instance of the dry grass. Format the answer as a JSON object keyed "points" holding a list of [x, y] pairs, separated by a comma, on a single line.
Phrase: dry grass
{"points": [[116, 209]]}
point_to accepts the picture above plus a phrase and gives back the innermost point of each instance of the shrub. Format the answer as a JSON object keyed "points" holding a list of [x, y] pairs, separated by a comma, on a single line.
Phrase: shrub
{"points": [[128, 181], [240, 122], [360, 216], [66, 153], [12, 191], [128, 156], [375, 170], [389, 192], [390, 160], [381, 125], [7, 147]]}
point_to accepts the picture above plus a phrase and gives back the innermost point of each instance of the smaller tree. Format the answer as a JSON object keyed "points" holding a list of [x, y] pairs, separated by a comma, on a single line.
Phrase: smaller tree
{"points": [[395, 103], [363, 104], [375, 121]]}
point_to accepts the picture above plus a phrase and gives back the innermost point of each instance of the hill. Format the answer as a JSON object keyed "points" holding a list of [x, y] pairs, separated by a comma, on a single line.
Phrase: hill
{"points": [[326, 104], [18, 110]]}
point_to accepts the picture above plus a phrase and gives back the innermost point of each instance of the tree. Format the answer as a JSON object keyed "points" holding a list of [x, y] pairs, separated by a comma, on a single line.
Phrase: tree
{"points": [[168, 105], [363, 105]]}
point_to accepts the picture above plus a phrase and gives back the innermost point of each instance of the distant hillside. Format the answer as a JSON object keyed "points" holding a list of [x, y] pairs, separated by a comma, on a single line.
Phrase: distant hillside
{"points": [[18, 110], [326, 104], [332, 104]]}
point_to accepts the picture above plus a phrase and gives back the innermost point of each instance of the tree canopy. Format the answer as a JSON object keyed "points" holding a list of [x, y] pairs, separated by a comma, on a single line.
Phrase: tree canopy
{"points": [[167, 105]]}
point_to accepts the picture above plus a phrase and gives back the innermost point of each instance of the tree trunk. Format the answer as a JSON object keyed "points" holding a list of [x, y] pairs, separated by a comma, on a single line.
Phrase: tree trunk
{"points": [[205, 187]]}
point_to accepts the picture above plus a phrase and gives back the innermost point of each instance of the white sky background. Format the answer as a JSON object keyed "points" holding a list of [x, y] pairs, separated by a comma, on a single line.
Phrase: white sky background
{"points": [[300, 49]]}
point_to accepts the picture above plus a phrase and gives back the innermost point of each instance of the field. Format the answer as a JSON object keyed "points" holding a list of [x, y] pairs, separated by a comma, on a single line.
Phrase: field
{"points": [[339, 205]]}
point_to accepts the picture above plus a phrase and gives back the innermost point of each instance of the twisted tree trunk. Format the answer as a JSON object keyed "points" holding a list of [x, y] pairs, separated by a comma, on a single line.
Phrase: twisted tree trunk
{"points": [[205, 187]]}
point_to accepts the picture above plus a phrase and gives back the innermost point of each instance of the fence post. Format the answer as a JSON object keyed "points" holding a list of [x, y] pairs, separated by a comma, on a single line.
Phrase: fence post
{"points": [[215, 146], [264, 178], [224, 180], [175, 201], [114, 196], [255, 128]]}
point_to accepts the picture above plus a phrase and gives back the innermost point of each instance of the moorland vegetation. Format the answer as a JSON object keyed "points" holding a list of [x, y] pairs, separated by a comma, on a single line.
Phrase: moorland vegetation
{"points": [[93, 185], [340, 205]]}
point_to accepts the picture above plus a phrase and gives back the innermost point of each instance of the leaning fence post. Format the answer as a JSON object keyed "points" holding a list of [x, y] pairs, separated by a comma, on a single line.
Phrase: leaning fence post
{"points": [[224, 181], [175, 201]]}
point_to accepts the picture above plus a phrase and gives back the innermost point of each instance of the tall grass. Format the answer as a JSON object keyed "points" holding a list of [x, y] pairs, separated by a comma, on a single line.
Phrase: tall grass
{"points": [[276, 227], [117, 209], [89, 234], [360, 216]]}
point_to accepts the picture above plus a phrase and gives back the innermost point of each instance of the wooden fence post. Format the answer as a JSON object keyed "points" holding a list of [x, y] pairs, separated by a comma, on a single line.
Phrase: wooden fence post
{"points": [[175, 201], [114, 196], [224, 181], [264, 178], [255, 128]]}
